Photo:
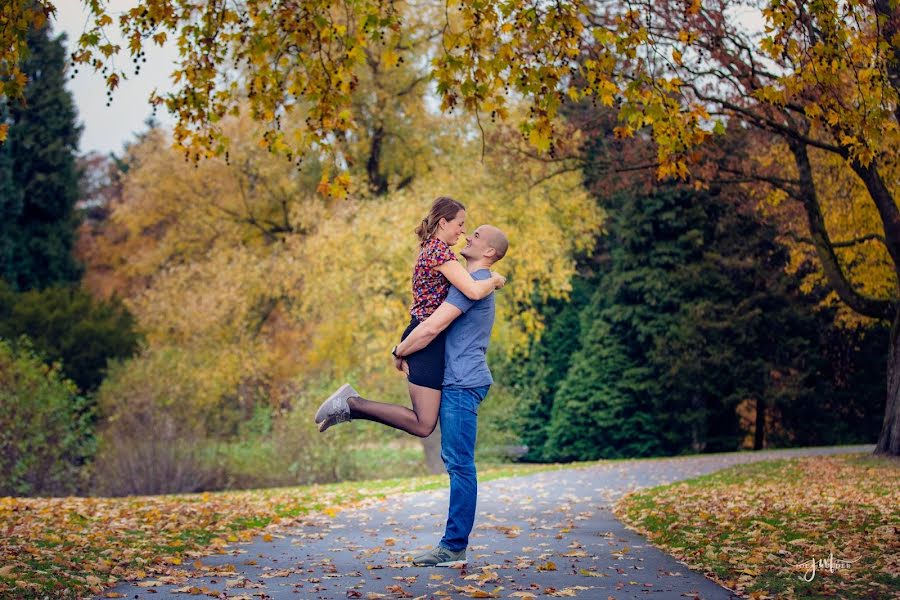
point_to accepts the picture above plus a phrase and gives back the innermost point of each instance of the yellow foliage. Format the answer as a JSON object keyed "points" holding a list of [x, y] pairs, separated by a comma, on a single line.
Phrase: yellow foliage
{"points": [[244, 265], [358, 265], [849, 214]]}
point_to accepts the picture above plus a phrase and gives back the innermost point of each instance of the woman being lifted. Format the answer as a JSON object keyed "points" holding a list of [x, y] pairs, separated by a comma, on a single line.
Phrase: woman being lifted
{"points": [[436, 269]]}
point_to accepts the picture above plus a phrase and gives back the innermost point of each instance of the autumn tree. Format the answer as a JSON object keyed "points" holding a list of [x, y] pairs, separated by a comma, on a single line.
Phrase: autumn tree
{"points": [[822, 77], [273, 289], [822, 81]]}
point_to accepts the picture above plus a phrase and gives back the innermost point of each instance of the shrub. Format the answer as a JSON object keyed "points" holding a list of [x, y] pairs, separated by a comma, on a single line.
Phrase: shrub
{"points": [[161, 419], [69, 325], [46, 437]]}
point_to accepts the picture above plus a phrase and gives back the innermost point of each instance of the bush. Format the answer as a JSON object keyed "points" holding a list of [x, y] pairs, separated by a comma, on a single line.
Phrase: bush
{"points": [[173, 423], [160, 424], [69, 325], [46, 437]]}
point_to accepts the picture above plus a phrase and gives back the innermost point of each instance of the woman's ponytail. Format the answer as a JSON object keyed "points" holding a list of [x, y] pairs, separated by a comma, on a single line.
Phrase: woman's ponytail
{"points": [[443, 207]]}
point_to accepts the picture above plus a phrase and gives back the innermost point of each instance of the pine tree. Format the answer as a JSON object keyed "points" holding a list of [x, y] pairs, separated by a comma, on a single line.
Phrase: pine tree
{"points": [[690, 319], [38, 174], [536, 377], [10, 206]]}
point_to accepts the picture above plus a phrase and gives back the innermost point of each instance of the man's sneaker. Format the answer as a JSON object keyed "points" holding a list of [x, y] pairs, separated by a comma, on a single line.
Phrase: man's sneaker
{"points": [[440, 557], [335, 409]]}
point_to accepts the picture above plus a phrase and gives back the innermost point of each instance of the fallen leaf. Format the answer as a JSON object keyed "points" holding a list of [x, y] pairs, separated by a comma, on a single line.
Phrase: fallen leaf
{"points": [[588, 573], [398, 591]]}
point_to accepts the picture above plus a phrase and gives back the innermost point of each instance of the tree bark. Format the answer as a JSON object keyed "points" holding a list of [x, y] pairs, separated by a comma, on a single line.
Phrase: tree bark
{"points": [[377, 181], [759, 435], [889, 438]]}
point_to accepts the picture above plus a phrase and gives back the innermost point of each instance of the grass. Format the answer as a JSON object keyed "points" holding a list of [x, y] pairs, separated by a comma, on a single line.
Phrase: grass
{"points": [[755, 528]]}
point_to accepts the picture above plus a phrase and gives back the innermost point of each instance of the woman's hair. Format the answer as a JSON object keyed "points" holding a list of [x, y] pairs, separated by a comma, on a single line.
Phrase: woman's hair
{"points": [[444, 207]]}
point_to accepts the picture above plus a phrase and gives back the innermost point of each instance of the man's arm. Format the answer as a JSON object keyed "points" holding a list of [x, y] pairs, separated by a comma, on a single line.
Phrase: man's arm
{"points": [[428, 329]]}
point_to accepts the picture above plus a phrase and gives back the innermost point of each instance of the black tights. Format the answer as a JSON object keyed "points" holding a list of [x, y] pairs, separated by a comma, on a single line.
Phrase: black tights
{"points": [[420, 421]]}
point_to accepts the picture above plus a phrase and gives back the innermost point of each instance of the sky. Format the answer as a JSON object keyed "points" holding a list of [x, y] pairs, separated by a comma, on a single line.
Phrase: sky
{"points": [[107, 128]]}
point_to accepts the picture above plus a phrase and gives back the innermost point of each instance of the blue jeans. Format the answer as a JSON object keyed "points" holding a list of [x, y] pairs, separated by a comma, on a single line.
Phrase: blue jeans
{"points": [[459, 426]]}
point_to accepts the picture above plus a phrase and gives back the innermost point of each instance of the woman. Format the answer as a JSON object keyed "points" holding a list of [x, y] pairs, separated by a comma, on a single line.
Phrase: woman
{"points": [[435, 270]]}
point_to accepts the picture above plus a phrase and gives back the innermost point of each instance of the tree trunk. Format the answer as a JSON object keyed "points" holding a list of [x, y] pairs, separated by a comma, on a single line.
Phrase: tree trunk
{"points": [[889, 439], [432, 447], [377, 181], [759, 435]]}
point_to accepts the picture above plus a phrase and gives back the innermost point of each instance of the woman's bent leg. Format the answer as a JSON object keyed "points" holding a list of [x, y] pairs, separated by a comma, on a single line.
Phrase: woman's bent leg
{"points": [[420, 421]]}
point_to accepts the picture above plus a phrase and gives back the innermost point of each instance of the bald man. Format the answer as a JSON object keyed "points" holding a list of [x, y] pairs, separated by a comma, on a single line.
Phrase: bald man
{"points": [[467, 380]]}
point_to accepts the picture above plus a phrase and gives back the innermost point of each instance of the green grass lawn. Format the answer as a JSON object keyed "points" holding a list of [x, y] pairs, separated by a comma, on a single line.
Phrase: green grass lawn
{"points": [[760, 528]]}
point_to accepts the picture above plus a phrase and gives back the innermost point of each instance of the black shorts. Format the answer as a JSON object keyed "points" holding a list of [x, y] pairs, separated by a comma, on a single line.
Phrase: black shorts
{"points": [[426, 367]]}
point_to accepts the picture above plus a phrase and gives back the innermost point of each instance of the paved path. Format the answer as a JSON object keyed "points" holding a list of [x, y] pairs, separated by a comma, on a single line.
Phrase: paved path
{"points": [[546, 534]]}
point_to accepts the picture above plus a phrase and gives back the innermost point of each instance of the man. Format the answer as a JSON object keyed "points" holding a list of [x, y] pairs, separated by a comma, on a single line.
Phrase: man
{"points": [[466, 383]]}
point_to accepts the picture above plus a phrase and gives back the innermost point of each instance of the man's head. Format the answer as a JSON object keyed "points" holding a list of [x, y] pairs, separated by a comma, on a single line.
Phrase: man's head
{"points": [[487, 244]]}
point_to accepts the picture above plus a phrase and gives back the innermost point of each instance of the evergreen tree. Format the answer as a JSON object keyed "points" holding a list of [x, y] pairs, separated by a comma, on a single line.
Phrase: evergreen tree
{"points": [[690, 319], [536, 376], [10, 205], [38, 174], [67, 325]]}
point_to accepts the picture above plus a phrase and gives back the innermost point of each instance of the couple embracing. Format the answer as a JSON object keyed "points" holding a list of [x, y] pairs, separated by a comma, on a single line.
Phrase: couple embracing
{"points": [[442, 353]]}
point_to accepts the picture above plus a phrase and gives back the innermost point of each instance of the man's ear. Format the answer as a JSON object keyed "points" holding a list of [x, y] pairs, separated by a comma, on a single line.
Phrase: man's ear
{"points": [[490, 252]]}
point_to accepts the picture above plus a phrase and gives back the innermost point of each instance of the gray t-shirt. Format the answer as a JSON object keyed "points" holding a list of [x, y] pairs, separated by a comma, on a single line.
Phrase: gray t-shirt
{"points": [[468, 336]]}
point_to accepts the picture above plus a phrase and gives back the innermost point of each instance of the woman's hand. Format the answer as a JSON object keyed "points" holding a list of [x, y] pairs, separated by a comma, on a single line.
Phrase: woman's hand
{"points": [[498, 279], [400, 365]]}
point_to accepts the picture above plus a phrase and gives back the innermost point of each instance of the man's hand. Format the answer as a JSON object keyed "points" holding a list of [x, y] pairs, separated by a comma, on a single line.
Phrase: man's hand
{"points": [[428, 329]]}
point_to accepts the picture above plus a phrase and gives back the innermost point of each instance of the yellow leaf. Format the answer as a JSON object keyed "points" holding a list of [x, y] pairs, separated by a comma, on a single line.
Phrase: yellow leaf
{"points": [[539, 137], [389, 59]]}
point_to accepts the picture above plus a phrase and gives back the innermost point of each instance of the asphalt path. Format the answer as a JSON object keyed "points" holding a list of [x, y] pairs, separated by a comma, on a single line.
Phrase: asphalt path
{"points": [[549, 534]]}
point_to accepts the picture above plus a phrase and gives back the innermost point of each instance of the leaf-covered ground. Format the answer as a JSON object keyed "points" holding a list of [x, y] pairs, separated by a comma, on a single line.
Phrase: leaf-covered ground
{"points": [[75, 547], [760, 528]]}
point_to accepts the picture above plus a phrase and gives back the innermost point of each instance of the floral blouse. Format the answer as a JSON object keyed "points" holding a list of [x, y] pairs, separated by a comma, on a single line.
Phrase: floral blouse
{"points": [[429, 285]]}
